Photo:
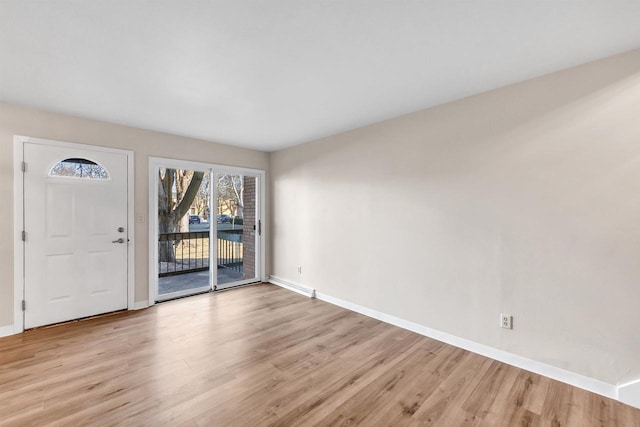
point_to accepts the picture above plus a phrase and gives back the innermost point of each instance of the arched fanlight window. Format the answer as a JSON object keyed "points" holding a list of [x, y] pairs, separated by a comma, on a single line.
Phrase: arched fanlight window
{"points": [[78, 168]]}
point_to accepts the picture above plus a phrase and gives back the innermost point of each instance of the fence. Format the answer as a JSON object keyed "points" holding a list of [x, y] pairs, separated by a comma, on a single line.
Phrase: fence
{"points": [[182, 253]]}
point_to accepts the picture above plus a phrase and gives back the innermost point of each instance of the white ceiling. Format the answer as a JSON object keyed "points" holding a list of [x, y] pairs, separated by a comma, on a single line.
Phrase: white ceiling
{"points": [[271, 74]]}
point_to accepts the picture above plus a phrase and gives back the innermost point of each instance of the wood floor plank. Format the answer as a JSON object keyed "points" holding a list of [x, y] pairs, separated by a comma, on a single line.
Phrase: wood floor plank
{"points": [[502, 410], [529, 390], [263, 356], [361, 371], [557, 404], [400, 408]]}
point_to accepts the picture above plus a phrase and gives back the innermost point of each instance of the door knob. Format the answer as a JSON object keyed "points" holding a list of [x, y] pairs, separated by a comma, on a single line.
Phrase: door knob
{"points": [[120, 240]]}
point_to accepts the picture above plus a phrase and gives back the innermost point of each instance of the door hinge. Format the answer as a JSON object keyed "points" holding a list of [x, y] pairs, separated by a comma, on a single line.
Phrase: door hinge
{"points": [[24, 236], [259, 227], [24, 305], [24, 166]]}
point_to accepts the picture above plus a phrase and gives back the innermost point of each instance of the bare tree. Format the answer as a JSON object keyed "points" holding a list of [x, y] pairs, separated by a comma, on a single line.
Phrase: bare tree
{"points": [[177, 189], [230, 194], [201, 202]]}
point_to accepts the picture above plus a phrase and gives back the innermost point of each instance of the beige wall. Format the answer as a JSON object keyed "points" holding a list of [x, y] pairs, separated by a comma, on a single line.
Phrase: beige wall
{"points": [[523, 200], [21, 121]]}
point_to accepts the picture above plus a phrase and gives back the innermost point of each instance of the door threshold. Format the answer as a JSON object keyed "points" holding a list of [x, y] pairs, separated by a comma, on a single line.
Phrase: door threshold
{"points": [[227, 288], [210, 291], [177, 297]]}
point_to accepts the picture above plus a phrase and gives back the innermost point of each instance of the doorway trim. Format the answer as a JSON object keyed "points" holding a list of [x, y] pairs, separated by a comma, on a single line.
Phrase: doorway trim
{"points": [[18, 219], [155, 163]]}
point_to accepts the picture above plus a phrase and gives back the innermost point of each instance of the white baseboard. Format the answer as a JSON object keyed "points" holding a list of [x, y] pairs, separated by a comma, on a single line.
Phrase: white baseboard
{"points": [[295, 287], [629, 393], [562, 375], [139, 305], [5, 331]]}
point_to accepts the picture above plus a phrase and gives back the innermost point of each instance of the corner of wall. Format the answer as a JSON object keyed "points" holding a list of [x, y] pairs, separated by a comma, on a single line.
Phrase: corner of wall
{"points": [[629, 393]]}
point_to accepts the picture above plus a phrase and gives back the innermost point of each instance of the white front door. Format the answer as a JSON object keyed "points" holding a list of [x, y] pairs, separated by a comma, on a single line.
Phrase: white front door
{"points": [[75, 218]]}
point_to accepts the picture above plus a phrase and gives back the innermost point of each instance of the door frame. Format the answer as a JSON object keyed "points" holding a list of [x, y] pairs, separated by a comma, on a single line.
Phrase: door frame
{"points": [[18, 219], [155, 163]]}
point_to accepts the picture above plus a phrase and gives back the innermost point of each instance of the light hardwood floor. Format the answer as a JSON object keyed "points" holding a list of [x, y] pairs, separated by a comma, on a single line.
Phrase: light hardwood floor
{"points": [[261, 355]]}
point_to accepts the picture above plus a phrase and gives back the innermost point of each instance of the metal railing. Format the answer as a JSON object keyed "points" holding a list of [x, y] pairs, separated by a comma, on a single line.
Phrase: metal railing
{"points": [[230, 249], [182, 253]]}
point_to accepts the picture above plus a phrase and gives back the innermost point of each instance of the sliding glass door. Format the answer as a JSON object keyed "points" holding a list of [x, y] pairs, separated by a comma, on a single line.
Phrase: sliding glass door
{"points": [[206, 228], [183, 232], [237, 228]]}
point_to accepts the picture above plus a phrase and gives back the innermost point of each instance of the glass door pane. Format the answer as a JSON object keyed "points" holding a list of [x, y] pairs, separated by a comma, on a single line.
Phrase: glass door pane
{"points": [[183, 232], [237, 229]]}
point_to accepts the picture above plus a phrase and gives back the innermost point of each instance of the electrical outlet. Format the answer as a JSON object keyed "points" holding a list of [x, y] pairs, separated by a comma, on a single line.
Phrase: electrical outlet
{"points": [[506, 321], [299, 269]]}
